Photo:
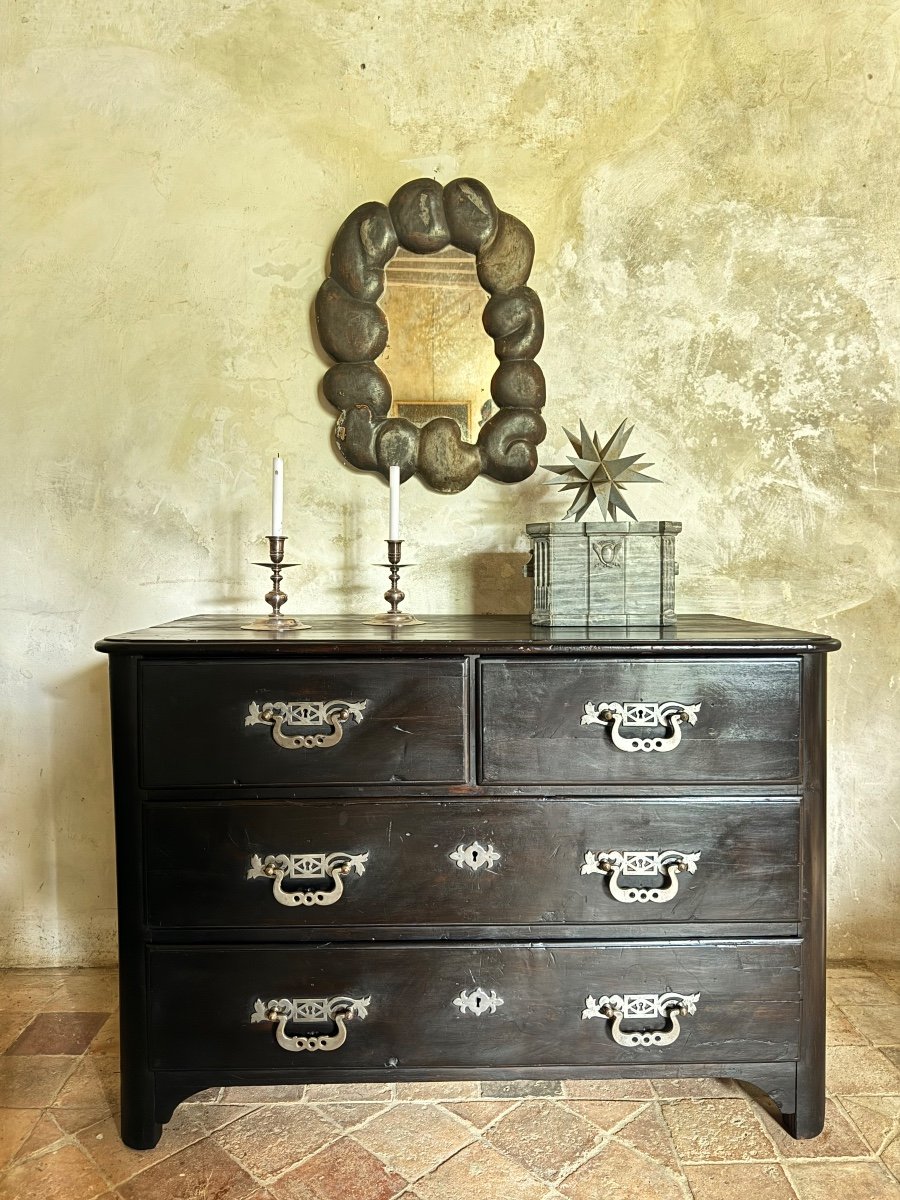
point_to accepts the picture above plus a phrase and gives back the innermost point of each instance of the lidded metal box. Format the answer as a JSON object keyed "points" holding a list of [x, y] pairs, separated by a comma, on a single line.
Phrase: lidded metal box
{"points": [[603, 572]]}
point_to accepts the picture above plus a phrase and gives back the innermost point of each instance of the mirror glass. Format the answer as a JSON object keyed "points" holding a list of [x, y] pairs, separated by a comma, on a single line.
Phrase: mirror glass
{"points": [[438, 359]]}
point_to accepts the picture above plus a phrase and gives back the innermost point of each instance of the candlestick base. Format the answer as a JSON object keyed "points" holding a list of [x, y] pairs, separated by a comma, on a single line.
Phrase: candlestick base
{"points": [[275, 622], [393, 618]]}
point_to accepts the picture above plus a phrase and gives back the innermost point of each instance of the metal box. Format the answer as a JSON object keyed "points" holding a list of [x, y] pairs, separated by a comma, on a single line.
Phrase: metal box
{"points": [[603, 572]]}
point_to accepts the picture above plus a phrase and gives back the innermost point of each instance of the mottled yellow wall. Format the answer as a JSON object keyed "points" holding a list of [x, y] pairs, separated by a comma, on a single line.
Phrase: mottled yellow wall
{"points": [[712, 186]]}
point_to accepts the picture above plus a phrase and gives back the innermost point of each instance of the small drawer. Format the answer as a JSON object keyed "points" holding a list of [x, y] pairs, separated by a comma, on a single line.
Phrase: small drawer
{"points": [[291, 724], [612, 721], [469, 1006], [307, 865]]}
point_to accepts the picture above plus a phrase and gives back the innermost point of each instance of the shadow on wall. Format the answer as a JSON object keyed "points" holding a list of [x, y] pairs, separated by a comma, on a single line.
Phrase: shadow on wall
{"points": [[74, 873]]}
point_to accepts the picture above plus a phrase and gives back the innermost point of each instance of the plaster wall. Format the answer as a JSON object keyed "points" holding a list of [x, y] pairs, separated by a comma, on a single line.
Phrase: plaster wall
{"points": [[712, 186]]}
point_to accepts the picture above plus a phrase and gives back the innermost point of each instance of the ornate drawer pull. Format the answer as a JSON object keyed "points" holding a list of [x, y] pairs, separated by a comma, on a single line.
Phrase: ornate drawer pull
{"points": [[617, 1009], [306, 713], [339, 1009], [618, 863], [642, 716], [278, 867]]}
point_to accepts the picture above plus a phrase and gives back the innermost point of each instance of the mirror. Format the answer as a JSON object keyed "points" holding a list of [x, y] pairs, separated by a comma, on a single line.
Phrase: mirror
{"points": [[428, 242], [437, 357]]}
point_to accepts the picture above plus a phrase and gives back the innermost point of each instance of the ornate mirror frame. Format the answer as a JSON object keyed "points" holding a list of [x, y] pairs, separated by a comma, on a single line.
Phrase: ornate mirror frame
{"points": [[424, 217]]}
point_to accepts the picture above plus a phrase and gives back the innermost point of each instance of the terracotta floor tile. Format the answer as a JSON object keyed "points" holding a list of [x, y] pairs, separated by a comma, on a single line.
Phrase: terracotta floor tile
{"points": [[479, 1172], [515, 1089], [201, 1172], [94, 1082], [28, 992], [842, 1181], [269, 1140], [860, 1070], [697, 1089], [480, 1113], [876, 1117], [63, 1174], [649, 1133], [839, 1138], [739, 1181], [107, 1040], [343, 1171], [86, 991], [11, 1025], [546, 1137], [58, 1033], [891, 1157], [839, 1031], [617, 1173], [283, 1093], [437, 1091], [324, 1093], [78, 1117], [15, 1126], [411, 1139], [348, 1116], [889, 972], [716, 1130], [32, 1082], [118, 1162], [880, 1023], [848, 990], [45, 1133], [609, 1089], [607, 1114]]}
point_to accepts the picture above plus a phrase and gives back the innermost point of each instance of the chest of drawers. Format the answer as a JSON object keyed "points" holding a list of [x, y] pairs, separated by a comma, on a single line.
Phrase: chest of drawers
{"points": [[469, 849]]}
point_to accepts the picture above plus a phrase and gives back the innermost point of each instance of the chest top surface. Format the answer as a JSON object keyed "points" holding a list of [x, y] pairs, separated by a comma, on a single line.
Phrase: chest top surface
{"points": [[211, 635]]}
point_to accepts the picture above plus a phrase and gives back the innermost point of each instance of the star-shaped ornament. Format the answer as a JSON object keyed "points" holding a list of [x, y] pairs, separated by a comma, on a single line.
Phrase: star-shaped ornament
{"points": [[600, 475]]}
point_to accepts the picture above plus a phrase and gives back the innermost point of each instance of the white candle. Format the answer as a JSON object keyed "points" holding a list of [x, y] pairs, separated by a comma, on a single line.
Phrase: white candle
{"points": [[277, 494], [394, 527]]}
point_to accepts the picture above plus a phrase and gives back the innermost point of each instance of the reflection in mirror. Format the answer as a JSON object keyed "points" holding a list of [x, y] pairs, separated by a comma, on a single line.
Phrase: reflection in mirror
{"points": [[438, 359]]}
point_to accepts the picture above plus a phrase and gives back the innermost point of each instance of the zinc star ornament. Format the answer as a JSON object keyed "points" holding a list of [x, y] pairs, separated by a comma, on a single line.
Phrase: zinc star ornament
{"points": [[600, 475]]}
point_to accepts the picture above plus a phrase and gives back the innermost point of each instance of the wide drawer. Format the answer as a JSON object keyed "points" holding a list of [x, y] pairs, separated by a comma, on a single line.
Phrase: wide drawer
{"points": [[470, 1006], [617, 721], [501, 862], [291, 724]]}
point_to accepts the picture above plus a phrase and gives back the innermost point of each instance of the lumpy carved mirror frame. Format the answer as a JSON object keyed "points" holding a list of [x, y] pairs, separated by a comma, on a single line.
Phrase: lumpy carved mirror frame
{"points": [[424, 217]]}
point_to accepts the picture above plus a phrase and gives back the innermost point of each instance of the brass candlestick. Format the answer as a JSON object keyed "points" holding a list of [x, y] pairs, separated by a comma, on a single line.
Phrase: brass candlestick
{"points": [[393, 595], [276, 597]]}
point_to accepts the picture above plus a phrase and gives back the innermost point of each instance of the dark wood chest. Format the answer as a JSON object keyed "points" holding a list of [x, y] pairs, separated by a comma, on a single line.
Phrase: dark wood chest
{"points": [[473, 848]]}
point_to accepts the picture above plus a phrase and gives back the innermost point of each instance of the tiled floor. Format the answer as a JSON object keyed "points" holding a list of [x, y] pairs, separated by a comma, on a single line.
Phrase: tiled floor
{"points": [[690, 1140]]}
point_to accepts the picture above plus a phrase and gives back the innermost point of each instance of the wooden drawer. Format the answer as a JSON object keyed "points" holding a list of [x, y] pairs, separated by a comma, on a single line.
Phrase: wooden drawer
{"points": [[207, 724], [202, 1001], [549, 721], [498, 863]]}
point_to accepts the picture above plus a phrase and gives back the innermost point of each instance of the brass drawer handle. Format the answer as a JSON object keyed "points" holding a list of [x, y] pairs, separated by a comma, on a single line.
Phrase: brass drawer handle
{"points": [[335, 867], [642, 716], [669, 1006], [305, 714], [311, 1009], [618, 863]]}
